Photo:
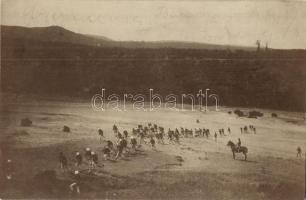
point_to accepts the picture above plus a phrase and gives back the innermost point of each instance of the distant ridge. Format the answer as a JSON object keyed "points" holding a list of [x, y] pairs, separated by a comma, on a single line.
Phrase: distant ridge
{"points": [[60, 34], [56, 61], [49, 34]]}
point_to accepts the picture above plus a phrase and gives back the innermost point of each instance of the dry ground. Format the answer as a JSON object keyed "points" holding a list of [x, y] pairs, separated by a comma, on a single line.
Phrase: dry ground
{"points": [[272, 170]]}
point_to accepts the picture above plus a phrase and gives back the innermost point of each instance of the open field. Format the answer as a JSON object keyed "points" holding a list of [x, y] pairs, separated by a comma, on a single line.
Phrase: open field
{"points": [[207, 171]]}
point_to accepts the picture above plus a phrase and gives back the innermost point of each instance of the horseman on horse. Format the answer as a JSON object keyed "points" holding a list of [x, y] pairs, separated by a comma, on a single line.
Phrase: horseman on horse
{"points": [[238, 148]]}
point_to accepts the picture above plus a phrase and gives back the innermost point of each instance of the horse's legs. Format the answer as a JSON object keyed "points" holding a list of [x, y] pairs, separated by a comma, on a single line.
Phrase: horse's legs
{"points": [[245, 156], [233, 155]]}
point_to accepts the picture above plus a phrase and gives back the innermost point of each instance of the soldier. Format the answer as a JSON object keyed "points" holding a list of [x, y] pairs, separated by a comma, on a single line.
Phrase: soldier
{"points": [[9, 169], [100, 132], [133, 142], [106, 153], [93, 161], [239, 144], [152, 142], [177, 137], [115, 128], [124, 144], [119, 148], [299, 152], [245, 129], [110, 144], [141, 135], [125, 133], [75, 185], [78, 159], [87, 153], [63, 161], [119, 135], [155, 127]]}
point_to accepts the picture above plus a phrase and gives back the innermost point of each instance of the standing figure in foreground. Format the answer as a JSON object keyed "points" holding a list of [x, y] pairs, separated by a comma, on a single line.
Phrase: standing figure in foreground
{"points": [[299, 152], [8, 169], [75, 186], [78, 159], [63, 161]]}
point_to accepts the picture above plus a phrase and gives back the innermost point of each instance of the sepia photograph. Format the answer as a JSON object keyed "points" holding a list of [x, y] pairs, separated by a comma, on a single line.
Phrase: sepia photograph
{"points": [[153, 99]]}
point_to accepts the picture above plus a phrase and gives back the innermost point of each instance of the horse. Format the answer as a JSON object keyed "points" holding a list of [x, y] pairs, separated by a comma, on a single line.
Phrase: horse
{"points": [[235, 149]]}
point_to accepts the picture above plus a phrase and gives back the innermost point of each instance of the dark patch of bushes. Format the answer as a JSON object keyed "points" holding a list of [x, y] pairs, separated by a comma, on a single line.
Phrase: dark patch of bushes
{"points": [[179, 158], [273, 115], [239, 113], [66, 129], [255, 114], [26, 122], [229, 112]]}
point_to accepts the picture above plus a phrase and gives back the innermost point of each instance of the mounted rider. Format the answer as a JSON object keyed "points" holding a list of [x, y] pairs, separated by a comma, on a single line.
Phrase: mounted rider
{"points": [[238, 145]]}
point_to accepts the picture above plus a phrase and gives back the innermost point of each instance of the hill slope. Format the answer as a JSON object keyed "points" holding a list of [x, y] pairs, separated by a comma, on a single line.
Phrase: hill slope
{"points": [[59, 34], [60, 65]]}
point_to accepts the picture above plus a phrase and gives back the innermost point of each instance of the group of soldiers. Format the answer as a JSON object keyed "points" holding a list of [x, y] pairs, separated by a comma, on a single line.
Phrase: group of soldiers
{"points": [[90, 156], [141, 134], [246, 128]]}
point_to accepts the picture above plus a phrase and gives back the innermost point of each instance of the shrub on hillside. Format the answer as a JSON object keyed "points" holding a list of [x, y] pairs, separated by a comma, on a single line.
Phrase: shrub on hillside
{"points": [[239, 113], [26, 122], [273, 115], [255, 114], [66, 129]]}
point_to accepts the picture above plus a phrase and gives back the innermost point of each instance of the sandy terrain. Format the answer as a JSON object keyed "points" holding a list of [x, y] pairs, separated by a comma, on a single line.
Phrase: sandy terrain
{"points": [[207, 171]]}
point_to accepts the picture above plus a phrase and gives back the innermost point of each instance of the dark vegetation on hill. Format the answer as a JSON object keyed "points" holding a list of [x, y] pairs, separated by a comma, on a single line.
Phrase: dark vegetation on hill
{"points": [[57, 63]]}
